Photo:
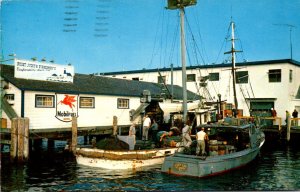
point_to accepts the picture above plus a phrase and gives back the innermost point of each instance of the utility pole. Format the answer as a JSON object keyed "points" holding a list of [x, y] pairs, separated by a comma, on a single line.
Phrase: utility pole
{"points": [[291, 28]]}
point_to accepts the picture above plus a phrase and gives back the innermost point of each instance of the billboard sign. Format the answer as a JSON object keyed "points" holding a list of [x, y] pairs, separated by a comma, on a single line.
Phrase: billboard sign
{"points": [[36, 70]]}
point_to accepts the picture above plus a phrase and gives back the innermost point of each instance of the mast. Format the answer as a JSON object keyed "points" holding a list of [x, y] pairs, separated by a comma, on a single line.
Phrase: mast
{"points": [[183, 63], [232, 52], [180, 4]]}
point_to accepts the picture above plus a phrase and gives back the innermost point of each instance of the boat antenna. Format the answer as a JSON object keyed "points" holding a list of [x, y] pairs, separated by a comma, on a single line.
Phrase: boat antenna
{"points": [[181, 4], [233, 68], [291, 28]]}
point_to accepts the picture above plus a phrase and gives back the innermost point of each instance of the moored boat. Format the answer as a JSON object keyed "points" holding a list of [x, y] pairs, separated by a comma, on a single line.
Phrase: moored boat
{"points": [[232, 147], [114, 159]]}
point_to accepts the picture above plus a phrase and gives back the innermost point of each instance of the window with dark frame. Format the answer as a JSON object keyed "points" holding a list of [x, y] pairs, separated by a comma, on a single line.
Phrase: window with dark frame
{"points": [[87, 102], [10, 97], [291, 76], [241, 77], [214, 76], [190, 77], [44, 101], [123, 103], [274, 75]]}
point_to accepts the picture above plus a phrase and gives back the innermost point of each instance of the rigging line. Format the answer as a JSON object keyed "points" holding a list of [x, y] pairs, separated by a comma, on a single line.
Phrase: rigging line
{"points": [[199, 33], [251, 88], [161, 40], [237, 33], [193, 39], [166, 40], [176, 32], [196, 46], [155, 40], [240, 85]]}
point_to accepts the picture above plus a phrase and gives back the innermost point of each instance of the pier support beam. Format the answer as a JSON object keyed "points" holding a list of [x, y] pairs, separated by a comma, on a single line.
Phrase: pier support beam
{"points": [[115, 125], [19, 139], [288, 128], [74, 135]]}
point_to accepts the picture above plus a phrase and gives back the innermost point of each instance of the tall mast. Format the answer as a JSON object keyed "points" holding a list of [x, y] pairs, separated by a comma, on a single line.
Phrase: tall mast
{"points": [[180, 4], [183, 63], [232, 52]]}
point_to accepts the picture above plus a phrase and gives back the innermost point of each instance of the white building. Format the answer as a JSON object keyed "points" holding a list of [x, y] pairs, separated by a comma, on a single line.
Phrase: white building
{"points": [[94, 100], [261, 85]]}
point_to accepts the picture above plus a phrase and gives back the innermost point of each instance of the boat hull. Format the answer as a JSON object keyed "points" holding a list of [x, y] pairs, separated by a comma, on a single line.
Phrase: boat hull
{"points": [[133, 159], [190, 165]]}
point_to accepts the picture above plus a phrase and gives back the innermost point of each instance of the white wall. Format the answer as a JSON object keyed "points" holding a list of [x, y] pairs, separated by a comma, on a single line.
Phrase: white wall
{"points": [[101, 115], [283, 91]]}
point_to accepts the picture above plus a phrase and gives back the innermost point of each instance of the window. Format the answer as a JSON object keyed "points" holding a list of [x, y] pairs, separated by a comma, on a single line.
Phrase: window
{"points": [[87, 102], [191, 78], [123, 103], [275, 75], [44, 101], [161, 79], [291, 76], [228, 106], [241, 77], [135, 79], [10, 97], [214, 77]]}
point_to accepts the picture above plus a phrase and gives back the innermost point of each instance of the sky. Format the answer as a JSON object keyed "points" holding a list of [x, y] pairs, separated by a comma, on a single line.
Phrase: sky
{"points": [[98, 36]]}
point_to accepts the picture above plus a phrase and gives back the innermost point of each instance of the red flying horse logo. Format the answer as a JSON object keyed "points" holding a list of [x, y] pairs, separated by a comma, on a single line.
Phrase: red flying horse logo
{"points": [[68, 100]]}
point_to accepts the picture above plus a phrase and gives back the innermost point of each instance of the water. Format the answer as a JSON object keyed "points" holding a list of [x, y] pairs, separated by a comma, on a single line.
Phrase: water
{"points": [[276, 168]]}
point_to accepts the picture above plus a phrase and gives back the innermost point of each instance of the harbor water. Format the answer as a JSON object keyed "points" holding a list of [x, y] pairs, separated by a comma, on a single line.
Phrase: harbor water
{"points": [[276, 168]]}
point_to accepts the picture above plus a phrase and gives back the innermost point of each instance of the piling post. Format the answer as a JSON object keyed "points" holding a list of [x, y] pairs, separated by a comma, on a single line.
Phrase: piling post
{"points": [[14, 139], [288, 128], [21, 134], [74, 135], [115, 125], [26, 138]]}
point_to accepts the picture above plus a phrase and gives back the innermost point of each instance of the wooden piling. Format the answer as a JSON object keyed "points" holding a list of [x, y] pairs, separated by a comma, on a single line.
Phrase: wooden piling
{"points": [[14, 139], [288, 128], [19, 148], [115, 125], [21, 133], [26, 138], [74, 134]]}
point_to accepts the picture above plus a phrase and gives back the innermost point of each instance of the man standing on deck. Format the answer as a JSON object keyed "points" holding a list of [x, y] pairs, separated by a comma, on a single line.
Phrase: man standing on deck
{"points": [[295, 115], [154, 129], [146, 126], [201, 136], [186, 132]]}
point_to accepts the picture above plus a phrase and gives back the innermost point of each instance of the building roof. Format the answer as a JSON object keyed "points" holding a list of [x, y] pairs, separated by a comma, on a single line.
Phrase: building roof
{"points": [[95, 85], [200, 66]]}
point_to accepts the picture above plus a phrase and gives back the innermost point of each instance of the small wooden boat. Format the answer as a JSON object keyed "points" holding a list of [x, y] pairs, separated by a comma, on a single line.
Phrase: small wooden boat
{"points": [[130, 159], [231, 149], [112, 158]]}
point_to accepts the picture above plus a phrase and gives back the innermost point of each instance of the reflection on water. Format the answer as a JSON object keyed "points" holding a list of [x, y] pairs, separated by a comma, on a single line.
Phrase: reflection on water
{"points": [[276, 168]]}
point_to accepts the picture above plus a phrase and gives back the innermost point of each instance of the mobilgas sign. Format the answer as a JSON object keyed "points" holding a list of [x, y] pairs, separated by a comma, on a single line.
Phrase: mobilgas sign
{"points": [[66, 107], [43, 71]]}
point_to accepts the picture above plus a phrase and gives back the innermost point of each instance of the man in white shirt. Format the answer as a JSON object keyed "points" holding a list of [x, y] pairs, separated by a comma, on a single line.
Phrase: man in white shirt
{"points": [[146, 126], [201, 136]]}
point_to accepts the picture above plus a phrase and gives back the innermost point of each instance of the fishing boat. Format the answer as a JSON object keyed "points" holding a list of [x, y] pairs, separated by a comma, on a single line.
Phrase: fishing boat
{"points": [[230, 147], [233, 142]]}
